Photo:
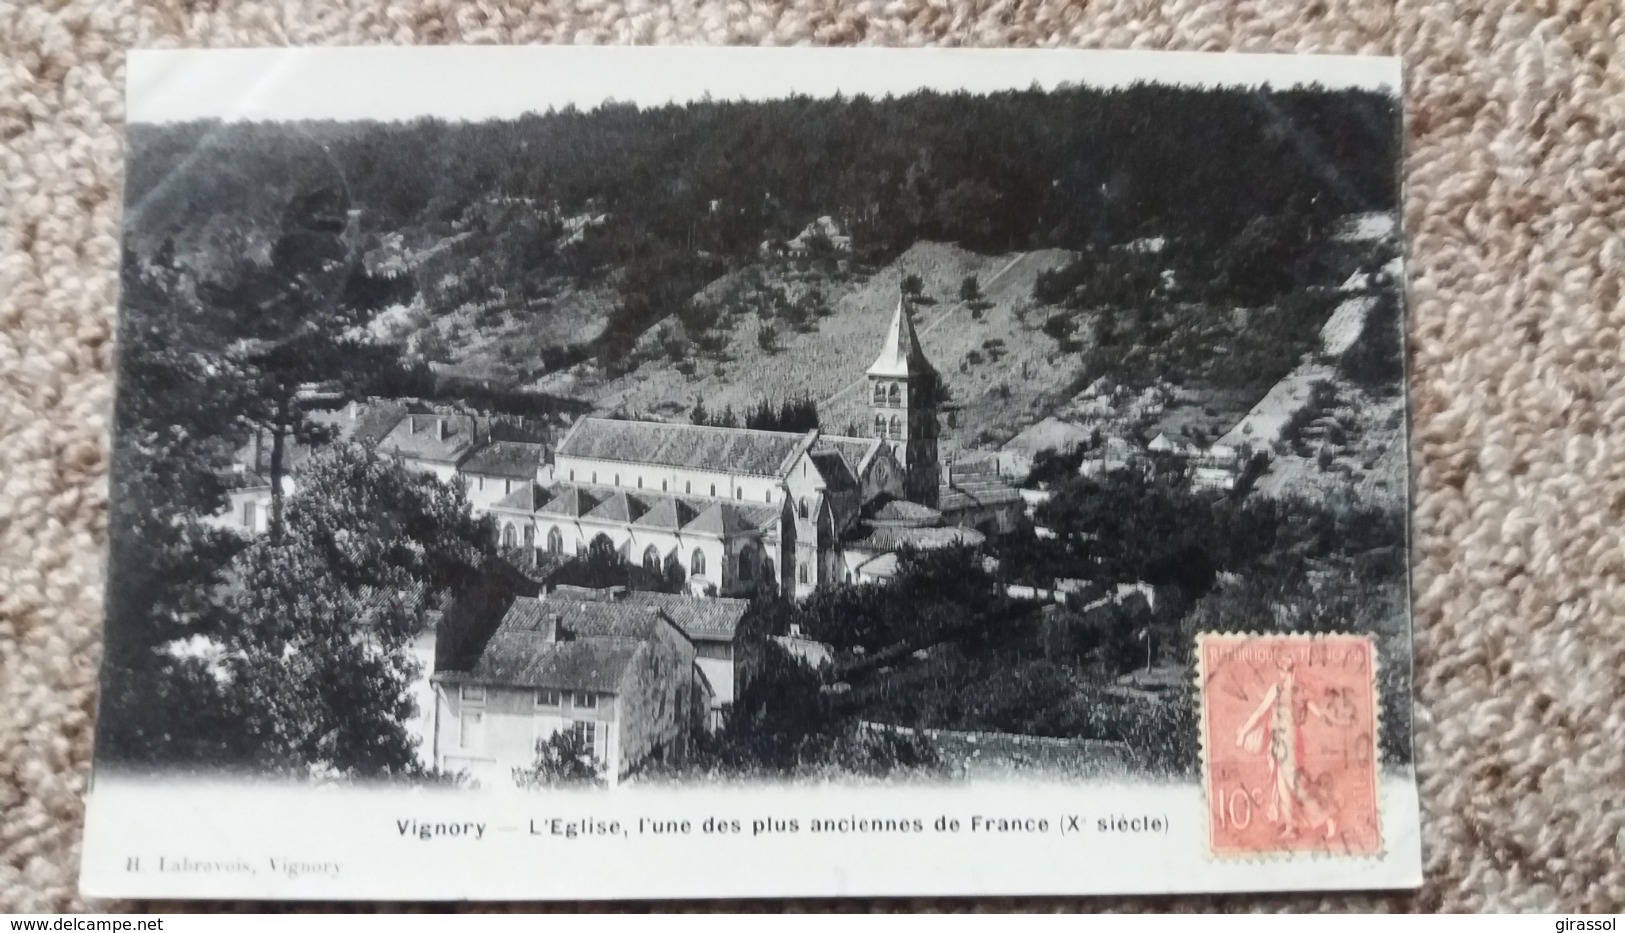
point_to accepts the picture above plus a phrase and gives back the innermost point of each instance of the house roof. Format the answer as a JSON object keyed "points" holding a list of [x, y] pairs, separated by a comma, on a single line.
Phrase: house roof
{"points": [[725, 518], [512, 459], [900, 354], [980, 491], [888, 509], [689, 446], [670, 513], [892, 537], [531, 659], [710, 619], [571, 501], [856, 451], [527, 498], [838, 474], [418, 436], [621, 507]]}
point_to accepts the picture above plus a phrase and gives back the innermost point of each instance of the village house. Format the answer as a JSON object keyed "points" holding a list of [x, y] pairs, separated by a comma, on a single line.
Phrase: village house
{"points": [[619, 677], [714, 625]]}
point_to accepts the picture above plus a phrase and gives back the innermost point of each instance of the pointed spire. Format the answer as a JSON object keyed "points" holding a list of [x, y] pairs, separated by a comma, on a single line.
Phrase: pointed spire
{"points": [[900, 354]]}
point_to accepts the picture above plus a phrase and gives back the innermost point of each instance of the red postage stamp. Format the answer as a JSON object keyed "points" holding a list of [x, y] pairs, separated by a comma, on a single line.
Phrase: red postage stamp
{"points": [[1289, 743]]}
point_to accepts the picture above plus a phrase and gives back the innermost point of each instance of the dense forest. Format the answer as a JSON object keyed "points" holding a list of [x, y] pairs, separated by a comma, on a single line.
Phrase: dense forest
{"points": [[666, 199]]}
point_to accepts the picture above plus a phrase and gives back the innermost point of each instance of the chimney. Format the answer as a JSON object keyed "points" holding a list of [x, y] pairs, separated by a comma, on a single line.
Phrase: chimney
{"points": [[354, 411], [550, 625], [412, 424], [441, 427]]}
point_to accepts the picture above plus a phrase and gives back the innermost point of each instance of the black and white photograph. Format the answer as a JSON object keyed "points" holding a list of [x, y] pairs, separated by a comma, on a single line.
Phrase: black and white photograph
{"points": [[886, 422]]}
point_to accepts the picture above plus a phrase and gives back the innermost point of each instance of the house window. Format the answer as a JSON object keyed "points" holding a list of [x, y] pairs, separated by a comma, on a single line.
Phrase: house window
{"points": [[894, 396], [880, 393], [572, 476], [510, 536], [480, 483], [713, 489], [696, 563], [739, 493], [595, 477], [880, 425], [584, 701], [640, 482], [586, 734], [802, 508], [769, 495], [547, 699], [896, 428], [471, 694], [507, 486], [651, 559], [471, 730], [248, 514], [617, 479], [555, 541], [530, 536], [688, 487], [801, 573], [662, 485]]}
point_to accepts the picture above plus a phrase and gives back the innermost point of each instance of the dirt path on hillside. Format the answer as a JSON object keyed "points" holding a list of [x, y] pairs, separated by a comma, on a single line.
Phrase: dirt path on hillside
{"points": [[931, 325]]}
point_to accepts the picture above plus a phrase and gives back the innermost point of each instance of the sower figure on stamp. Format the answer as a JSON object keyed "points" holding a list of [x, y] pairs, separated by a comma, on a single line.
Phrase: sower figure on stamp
{"points": [[1288, 794]]}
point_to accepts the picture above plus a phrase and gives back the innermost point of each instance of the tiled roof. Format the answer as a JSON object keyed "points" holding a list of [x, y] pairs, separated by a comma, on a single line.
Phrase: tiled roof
{"points": [[697, 447], [531, 659], [527, 498], [854, 450], [670, 513], [724, 519], [837, 473], [978, 492], [892, 537], [700, 617], [621, 507], [245, 479], [889, 509], [570, 501], [425, 443], [513, 459]]}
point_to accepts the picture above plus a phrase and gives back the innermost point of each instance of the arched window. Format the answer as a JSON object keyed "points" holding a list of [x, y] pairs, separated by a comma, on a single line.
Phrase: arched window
{"points": [[696, 564], [510, 536], [880, 426], [894, 396], [617, 479], [651, 559], [880, 393], [739, 492], [572, 476], [688, 487], [769, 495], [747, 564], [713, 489], [530, 536], [555, 541], [595, 477], [802, 508], [640, 482], [662, 485], [896, 427], [801, 573]]}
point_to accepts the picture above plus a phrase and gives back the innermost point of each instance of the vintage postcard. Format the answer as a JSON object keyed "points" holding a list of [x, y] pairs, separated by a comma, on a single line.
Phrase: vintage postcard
{"points": [[679, 472]]}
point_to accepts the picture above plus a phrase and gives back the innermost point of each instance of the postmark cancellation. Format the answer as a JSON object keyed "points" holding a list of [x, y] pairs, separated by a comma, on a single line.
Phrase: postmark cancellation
{"points": [[1289, 743]]}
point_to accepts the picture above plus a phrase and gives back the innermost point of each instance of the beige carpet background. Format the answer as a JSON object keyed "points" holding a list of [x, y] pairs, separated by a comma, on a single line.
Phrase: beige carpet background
{"points": [[1515, 206]]}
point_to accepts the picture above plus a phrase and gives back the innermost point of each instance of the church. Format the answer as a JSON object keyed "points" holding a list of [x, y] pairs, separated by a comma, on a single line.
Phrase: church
{"points": [[739, 510]]}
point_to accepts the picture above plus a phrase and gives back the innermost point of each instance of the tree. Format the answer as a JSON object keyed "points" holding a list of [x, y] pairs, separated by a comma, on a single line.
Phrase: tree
{"points": [[913, 285], [314, 663], [562, 760], [697, 416], [970, 289], [298, 322]]}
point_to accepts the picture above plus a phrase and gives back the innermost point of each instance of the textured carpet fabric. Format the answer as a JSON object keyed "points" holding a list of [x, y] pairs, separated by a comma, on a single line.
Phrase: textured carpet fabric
{"points": [[1515, 205]]}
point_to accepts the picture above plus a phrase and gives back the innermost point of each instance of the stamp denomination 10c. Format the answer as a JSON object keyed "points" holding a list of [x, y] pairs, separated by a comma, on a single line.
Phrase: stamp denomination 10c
{"points": [[1289, 743]]}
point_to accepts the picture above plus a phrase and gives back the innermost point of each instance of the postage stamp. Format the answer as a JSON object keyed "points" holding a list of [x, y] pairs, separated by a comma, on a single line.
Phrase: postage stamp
{"points": [[1289, 743]]}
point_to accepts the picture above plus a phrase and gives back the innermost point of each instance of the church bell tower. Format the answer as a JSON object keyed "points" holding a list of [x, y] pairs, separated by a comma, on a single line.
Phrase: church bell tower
{"points": [[903, 397]]}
